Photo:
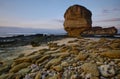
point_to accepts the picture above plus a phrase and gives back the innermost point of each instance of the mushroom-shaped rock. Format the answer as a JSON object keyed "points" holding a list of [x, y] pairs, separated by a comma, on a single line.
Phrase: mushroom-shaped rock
{"points": [[77, 20]]}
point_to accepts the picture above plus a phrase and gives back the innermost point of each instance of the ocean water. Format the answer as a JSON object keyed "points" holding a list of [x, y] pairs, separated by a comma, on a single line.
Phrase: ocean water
{"points": [[8, 32], [14, 34], [14, 31]]}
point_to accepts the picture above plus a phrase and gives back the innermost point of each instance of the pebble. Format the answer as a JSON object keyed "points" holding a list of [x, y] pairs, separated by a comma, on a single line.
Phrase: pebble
{"points": [[64, 64]]}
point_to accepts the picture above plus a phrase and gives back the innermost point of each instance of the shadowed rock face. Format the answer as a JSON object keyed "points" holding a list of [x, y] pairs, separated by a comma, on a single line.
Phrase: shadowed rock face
{"points": [[77, 20]]}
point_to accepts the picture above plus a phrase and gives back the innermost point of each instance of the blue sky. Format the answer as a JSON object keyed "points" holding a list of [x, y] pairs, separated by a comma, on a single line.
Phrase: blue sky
{"points": [[48, 14]]}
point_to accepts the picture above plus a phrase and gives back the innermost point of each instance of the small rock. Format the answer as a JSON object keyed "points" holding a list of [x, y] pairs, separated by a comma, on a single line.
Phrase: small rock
{"points": [[18, 76], [115, 54], [88, 76], [73, 76], [24, 71], [107, 70], [38, 75], [74, 64], [81, 57], [32, 75], [112, 63], [99, 63], [57, 68], [118, 64], [90, 68], [95, 78], [54, 77], [64, 64]]}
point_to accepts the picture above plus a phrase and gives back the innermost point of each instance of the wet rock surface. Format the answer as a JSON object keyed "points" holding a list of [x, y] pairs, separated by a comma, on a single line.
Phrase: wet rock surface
{"points": [[89, 59]]}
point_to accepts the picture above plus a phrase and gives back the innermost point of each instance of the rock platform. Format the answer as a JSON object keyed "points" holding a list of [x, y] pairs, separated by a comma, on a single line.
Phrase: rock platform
{"points": [[69, 58]]}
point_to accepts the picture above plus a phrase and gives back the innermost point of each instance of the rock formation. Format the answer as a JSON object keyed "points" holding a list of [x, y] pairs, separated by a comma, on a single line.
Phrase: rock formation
{"points": [[77, 19], [81, 59], [100, 31]]}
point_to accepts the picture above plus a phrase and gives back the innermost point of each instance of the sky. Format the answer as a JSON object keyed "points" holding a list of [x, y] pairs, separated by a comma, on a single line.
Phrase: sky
{"points": [[48, 14]]}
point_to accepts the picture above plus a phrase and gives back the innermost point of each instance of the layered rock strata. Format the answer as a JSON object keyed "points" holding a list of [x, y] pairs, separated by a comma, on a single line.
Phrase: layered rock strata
{"points": [[94, 59], [77, 20], [100, 31]]}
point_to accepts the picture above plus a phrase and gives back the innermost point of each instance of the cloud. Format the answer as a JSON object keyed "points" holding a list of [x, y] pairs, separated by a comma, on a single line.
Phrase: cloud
{"points": [[116, 9], [109, 20], [105, 11], [111, 10], [59, 20], [43, 24]]}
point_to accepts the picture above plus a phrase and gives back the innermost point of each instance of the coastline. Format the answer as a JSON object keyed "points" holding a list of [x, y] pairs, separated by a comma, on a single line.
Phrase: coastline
{"points": [[61, 56], [13, 52]]}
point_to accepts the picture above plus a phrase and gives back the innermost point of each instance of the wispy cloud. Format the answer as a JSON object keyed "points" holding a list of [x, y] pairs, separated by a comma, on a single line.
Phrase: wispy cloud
{"points": [[105, 11], [59, 20], [111, 10], [116, 9], [109, 20], [44, 24]]}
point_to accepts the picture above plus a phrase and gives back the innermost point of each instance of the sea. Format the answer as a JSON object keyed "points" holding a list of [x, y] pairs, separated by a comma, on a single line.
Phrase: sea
{"points": [[48, 32]]}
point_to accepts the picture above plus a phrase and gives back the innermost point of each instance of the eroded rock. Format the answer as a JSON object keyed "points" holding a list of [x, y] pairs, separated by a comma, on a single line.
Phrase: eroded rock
{"points": [[100, 31], [77, 20]]}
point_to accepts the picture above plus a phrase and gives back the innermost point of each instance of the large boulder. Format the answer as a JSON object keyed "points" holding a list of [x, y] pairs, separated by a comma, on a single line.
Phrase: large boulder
{"points": [[77, 20], [100, 31]]}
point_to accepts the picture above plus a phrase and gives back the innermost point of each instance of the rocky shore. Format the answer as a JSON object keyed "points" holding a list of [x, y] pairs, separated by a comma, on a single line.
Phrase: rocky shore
{"points": [[22, 40], [68, 58]]}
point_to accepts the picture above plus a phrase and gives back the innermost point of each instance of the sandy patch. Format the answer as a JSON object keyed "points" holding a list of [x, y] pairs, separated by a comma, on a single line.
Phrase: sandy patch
{"points": [[64, 41], [11, 53]]}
